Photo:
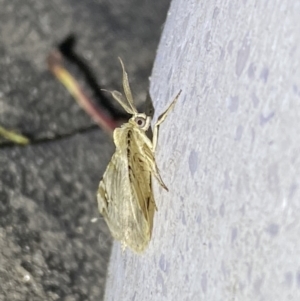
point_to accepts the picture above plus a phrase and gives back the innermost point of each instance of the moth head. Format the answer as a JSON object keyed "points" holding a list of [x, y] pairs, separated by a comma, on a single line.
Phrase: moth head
{"points": [[141, 120]]}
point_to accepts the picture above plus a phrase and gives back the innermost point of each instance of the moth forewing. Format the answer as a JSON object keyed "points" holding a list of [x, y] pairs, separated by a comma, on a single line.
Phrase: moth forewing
{"points": [[125, 197]]}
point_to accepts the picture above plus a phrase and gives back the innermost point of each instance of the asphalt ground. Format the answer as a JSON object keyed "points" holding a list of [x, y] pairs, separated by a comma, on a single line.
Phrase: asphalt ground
{"points": [[49, 248]]}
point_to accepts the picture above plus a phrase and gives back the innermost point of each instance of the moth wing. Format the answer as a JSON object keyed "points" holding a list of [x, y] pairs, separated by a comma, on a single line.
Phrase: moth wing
{"points": [[108, 198], [141, 161], [125, 194]]}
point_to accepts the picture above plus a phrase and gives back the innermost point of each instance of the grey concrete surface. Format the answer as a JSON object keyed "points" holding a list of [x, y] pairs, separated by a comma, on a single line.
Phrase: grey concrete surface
{"points": [[230, 154], [49, 249]]}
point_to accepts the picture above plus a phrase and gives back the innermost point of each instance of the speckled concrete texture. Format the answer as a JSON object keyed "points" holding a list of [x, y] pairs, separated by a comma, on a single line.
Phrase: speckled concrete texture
{"points": [[229, 227]]}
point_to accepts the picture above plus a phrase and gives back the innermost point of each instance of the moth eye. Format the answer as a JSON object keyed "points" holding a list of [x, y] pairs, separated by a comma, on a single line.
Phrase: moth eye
{"points": [[141, 122]]}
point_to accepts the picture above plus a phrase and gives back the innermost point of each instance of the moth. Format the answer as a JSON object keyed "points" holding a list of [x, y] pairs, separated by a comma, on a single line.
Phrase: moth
{"points": [[125, 197]]}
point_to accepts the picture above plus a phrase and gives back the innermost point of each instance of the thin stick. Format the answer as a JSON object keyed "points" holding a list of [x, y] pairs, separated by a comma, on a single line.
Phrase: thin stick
{"points": [[14, 137], [56, 67]]}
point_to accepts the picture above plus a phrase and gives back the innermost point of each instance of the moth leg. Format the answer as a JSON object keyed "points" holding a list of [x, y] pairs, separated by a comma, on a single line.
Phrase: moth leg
{"points": [[161, 119], [160, 181], [151, 165]]}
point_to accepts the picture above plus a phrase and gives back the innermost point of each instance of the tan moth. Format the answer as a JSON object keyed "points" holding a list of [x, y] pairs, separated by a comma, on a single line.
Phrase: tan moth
{"points": [[125, 197]]}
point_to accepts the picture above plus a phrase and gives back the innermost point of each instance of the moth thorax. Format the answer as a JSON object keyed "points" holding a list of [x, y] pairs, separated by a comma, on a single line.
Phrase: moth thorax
{"points": [[141, 120]]}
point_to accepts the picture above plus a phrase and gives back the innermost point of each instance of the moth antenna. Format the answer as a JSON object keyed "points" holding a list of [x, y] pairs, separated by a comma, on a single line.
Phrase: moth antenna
{"points": [[120, 99], [126, 87]]}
